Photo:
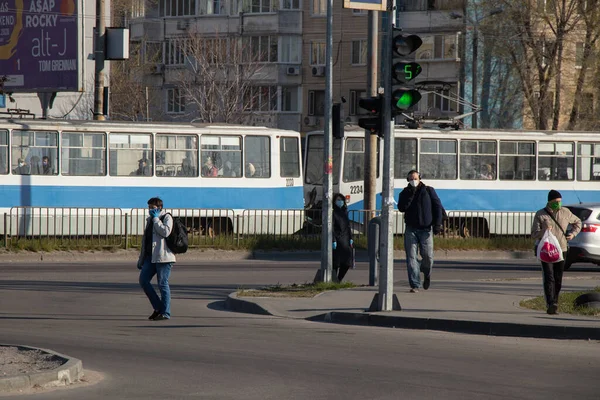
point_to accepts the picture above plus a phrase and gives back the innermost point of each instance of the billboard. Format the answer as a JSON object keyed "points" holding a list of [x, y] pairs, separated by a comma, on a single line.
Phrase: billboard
{"points": [[39, 50]]}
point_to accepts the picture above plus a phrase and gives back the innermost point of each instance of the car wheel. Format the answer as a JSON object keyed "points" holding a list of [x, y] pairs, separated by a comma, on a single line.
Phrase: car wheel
{"points": [[591, 300]]}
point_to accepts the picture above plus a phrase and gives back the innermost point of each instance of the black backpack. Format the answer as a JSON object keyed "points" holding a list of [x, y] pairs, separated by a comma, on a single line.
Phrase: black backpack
{"points": [[178, 238]]}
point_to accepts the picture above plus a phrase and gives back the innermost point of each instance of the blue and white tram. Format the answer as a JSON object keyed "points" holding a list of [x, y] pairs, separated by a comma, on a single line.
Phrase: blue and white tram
{"points": [[49, 163], [472, 170]]}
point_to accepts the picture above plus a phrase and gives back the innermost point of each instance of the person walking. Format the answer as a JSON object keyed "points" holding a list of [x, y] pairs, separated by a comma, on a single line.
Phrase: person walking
{"points": [[557, 219], [423, 213], [342, 238], [157, 259]]}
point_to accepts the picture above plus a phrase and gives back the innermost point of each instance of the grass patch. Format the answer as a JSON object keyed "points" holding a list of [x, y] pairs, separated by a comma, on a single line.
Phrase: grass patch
{"points": [[295, 290], [566, 304]]}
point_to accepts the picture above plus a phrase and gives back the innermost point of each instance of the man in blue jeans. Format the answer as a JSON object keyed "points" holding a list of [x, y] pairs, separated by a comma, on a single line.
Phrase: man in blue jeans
{"points": [[423, 213], [157, 259]]}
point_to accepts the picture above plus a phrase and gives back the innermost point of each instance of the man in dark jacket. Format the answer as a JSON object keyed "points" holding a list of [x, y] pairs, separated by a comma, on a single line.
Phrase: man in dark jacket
{"points": [[422, 210]]}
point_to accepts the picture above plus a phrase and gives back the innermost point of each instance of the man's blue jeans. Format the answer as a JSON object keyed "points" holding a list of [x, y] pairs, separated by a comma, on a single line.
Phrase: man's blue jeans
{"points": [[418, 240], [162, 272]]}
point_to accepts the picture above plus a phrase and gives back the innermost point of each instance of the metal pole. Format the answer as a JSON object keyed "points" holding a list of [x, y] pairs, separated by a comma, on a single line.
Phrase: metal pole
{"points": [[386, 281], [474, 68], [99, 61], [327, 233], [371, 140]]}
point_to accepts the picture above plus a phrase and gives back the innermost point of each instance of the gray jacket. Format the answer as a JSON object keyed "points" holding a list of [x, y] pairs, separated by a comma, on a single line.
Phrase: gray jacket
{"points": [[161, 229]]}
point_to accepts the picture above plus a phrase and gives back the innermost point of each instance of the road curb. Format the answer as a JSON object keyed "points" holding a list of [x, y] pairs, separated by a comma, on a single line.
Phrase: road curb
{"points": [[66, 374], [234, 303], [461, 326]]}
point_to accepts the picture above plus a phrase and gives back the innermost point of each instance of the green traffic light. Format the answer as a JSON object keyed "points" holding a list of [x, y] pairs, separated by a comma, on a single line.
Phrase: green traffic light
{"points": [[404, 99]]}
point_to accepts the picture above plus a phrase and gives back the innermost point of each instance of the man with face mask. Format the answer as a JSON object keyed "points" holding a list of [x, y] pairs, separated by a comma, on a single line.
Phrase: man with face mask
{"points": [[423, 215], [556, 219]]}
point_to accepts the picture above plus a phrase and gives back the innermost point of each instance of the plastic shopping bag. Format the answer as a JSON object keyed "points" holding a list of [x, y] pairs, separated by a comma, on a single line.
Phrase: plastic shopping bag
{"points": [[548, 249]]}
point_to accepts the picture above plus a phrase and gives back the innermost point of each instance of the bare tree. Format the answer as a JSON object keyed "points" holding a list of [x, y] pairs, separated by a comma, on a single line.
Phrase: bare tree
{"points": [[221, 76]]}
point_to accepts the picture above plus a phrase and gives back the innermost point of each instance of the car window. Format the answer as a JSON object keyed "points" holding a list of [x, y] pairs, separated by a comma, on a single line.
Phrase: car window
{"points": [[581, 213]]}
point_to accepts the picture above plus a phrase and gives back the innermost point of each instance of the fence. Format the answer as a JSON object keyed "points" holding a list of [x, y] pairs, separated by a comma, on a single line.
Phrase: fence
{"points": [[118, 228]]}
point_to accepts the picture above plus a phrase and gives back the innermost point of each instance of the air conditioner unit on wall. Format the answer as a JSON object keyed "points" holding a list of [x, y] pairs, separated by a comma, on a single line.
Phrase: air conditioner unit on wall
{"points": [[158, 69], [311, 120], [293, 71], [183, 24], [318, 71]]}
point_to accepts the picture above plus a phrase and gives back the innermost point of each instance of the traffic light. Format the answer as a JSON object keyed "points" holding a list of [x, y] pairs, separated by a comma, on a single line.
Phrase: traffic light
{"points": [[404, 71], [374, 106]]}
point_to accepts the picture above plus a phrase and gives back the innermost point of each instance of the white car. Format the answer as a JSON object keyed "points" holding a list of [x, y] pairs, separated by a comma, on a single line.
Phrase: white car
{"points": [[585, 247]]}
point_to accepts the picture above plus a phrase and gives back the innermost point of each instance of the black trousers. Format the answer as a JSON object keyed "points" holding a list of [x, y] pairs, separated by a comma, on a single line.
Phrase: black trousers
{"points": [[340, 272], [553, 274]]}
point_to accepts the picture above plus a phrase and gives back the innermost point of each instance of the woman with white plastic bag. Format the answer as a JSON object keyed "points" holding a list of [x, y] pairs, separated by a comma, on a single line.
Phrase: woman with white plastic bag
{"points": [[549, 229]]}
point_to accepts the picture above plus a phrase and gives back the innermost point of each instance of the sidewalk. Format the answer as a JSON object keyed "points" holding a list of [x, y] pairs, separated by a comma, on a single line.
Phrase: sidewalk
{"points": [[487, 307]]}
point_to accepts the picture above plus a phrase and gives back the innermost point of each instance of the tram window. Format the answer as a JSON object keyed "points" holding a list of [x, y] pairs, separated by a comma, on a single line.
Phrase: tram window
{"points": [[34, 153], [354, 160], [83, 154], [477, 159], [130, 155], [314, 160], [517, 161], [438, 159], [556, 161], [288, 157], [405, 156], [176, 155], [221, 156], [3, 152], [588, 161], [257, 156]]}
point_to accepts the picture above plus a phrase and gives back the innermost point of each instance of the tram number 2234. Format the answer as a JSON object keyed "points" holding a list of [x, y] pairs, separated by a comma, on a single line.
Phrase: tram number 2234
{"points": [[356, 189]]}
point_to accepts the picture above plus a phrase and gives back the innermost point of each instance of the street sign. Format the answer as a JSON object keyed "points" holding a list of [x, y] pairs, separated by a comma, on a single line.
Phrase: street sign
{"points": [[373, 5]]}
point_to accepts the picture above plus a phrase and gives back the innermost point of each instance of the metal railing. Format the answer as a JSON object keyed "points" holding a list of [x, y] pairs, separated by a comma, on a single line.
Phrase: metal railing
{"points": [[110, 227]]}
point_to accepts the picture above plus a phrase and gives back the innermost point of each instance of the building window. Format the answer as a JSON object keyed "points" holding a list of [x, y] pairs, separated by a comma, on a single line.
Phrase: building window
{"points": [[441, 100], [438, 47], [517, 161], [355, 96], [358, 12], [260, 48], [83, 154], [316, 102], [319, 7], [176, 8], [579, 54], [30, 149], [255, 6], [290, 4], [317, 53], [130, 155], [176, 155], [438, 159], [291, 47], [289, 98], [477, 159], [359, 52], [175, 51], [261, 98], [153, 52], [175, 101], [211, 7]]}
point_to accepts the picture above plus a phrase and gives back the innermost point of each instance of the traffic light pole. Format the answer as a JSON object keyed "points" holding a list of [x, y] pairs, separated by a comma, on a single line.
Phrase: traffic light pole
{"points": [[386, 244], [324, 274]]}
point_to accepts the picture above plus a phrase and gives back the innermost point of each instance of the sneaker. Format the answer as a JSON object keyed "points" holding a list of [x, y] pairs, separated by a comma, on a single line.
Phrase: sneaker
{"points": [[154, 315], [553, 309], [427, 282], [413, 290], [160, 317]]}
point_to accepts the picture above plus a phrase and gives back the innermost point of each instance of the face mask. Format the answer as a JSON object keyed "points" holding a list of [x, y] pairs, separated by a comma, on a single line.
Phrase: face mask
{"points": [[413, 183], [339, 203], [45, 163], [556, 205]]}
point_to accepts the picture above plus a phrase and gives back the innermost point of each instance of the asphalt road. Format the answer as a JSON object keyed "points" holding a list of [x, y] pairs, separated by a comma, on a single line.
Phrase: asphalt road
{"points": [[97, 313]]}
